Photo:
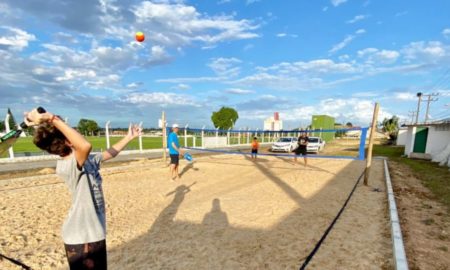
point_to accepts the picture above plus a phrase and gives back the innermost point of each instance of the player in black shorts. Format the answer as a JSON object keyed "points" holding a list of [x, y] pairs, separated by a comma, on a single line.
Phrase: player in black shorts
{"points": [[301, 148]]}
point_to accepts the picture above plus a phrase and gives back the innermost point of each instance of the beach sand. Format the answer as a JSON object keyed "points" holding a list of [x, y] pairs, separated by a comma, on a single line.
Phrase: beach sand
{"points": [[226, 212]]}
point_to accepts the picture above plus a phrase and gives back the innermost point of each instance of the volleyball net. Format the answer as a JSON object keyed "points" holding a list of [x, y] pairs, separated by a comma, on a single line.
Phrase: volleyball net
{"points": [[349, 143]]}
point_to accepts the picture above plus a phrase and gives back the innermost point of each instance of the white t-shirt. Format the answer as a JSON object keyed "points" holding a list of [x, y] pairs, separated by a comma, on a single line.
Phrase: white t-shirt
{"points": [[85, 222]]}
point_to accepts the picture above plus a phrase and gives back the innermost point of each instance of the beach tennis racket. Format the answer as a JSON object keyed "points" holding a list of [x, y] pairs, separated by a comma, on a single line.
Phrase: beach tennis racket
{"points": [[7, 140], [188, 157]]}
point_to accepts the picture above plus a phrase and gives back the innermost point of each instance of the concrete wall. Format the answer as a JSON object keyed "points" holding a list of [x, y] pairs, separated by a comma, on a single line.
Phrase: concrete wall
{"points": [[438, 139], [402, 137], [410, 136]]}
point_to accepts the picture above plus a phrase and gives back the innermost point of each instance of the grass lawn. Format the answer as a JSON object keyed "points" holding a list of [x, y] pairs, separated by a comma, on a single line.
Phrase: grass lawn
{"points": [[433, 176], [99, 143]]}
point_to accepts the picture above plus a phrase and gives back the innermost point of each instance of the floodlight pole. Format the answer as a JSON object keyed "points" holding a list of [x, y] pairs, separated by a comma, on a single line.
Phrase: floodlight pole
{"points": [[185, 135], [10, 149], [107, 134], [239, 136], [164, 136], [419, 95], [140, 138], [203, 137], [371, 138]]}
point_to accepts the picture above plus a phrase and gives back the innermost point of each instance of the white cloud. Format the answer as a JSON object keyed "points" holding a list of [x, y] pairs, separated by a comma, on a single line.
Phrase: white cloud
{"points": [[337, 2], [446, 33], [402, 13], [375, 56], [223, 2], [324, 66], [342, 44], [180, 24], [405, 96], [324, 8], [225, 67], [249, 2], [238, 91], [281, 35], [248, 47], [347, 40], [426, 51], [181, 86], [357, 18], [359, 111], [15, 39], [160, 98]]}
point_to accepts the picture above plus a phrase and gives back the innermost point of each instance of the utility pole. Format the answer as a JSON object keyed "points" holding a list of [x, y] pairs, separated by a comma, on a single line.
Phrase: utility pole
{"points": [[419, 95], [430, 99]]}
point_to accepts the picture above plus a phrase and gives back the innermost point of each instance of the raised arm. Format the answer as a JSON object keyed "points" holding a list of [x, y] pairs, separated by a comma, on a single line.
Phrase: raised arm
{"points": [[134, 131], [80, 145]]}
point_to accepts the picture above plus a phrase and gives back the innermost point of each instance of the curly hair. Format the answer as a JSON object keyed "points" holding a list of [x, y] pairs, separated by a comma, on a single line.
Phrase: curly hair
{"points": [[50, 139]]}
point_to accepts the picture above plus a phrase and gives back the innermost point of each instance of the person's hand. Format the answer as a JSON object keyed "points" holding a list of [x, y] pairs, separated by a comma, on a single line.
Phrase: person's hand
{"points": [[134, 131], [34, 118]]}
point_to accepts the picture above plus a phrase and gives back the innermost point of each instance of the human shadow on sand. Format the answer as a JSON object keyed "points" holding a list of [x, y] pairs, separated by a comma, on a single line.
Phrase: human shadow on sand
{"points": [[218, 243]]}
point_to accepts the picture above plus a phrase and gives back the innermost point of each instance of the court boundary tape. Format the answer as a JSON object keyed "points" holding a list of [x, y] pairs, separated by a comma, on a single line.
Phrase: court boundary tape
{"points": [[330, 227], [16, 262], [398, 248]]}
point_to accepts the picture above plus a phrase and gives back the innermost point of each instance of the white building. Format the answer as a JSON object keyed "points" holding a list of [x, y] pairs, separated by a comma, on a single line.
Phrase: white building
{"points": [[427, 140], [273, 123], [401, 137]]}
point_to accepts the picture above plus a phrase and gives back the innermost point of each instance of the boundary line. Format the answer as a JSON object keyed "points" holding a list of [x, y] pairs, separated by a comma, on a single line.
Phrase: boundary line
{"points": [[330, 227], [401, 263]]}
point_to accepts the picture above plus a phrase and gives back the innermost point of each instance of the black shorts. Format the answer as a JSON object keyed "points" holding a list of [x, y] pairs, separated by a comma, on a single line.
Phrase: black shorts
{"points": [[254, 151], [87, 256], [300, 151], [174, 159]]}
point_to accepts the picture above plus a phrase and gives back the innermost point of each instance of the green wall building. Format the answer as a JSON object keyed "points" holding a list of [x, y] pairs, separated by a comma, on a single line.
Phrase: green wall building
{"points": [[323, 122]]}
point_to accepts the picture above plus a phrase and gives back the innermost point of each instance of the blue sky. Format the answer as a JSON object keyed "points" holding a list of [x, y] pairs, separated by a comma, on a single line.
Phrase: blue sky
{"points": [[78, 58]]}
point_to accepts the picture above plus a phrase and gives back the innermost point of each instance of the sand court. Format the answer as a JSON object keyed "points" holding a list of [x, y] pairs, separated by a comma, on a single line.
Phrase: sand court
{"points": [[226, 212]]}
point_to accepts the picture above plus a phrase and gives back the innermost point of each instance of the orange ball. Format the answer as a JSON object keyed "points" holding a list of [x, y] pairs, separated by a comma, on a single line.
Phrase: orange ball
{"points": [[140, 36]]}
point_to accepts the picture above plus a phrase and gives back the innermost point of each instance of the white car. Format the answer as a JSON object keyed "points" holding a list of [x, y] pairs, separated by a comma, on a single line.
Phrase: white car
{"points": [[286, 144], [315, 144]]}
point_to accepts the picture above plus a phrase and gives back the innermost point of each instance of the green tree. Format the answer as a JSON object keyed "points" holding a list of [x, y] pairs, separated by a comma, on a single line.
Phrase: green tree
{"points": [[2, 126], [225, 118], [87, 126], [390, 126], [349, 124]]}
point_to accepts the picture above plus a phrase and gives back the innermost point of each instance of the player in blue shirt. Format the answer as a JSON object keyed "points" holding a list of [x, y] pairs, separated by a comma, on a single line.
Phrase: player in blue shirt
{"points": [[174, 152]]}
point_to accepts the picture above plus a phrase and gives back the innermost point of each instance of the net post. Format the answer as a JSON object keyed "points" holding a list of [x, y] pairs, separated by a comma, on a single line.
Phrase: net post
{"points": [[164, 132], [228, 137], [7, 129], [185, 135], [371, 138], [362, 144], [108, 144], [140, 138]]}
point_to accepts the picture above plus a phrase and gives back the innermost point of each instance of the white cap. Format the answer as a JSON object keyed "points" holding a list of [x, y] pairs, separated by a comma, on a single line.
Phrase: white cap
{"points": [[174, 125]]}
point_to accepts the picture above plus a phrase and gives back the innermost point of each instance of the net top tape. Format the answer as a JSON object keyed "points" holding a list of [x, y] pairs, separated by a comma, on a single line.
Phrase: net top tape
{"points": [[269, 131]]}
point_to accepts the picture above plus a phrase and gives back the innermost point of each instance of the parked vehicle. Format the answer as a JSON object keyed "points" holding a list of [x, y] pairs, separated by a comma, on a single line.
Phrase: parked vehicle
{"points": [[315, 144], [285, 144]]}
